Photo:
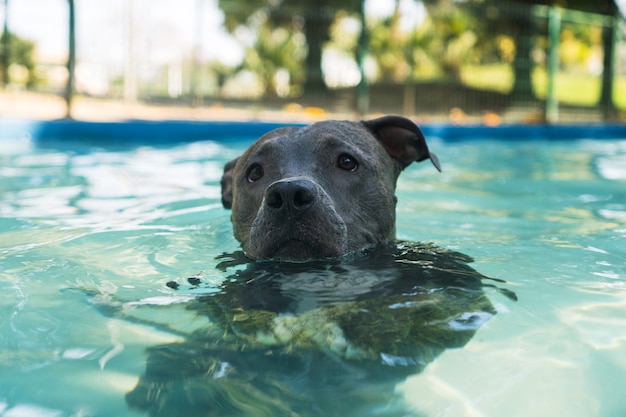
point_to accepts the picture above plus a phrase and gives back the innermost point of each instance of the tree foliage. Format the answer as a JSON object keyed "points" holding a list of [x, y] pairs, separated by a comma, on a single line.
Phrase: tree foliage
{"points": [[439, 46], [276, 57], [290, 35], [21, 52], [312, 18]]}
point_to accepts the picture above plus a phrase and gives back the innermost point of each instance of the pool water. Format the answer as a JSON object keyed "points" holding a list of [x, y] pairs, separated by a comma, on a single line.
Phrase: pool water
{"points": [[94, 241]]}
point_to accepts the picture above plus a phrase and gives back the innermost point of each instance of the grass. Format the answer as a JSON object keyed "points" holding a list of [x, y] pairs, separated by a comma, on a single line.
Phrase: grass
{"points": [[496, 77], [619, 92], [572, 87]]}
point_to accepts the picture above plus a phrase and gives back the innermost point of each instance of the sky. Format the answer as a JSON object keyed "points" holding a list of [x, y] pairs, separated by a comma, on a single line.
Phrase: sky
{"points": [[100, 25]]}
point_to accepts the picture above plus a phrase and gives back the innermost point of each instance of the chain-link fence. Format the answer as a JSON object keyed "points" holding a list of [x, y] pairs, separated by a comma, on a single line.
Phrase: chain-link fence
{"points": [[486, 61]]}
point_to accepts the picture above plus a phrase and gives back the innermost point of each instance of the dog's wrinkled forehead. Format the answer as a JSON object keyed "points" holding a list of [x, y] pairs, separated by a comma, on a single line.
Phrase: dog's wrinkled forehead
{"points": [[340, 129], [313, 139], [343, 131]]}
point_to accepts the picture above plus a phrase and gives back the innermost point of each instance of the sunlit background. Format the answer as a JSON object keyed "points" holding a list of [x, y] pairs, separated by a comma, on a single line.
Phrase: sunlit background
{"points": [[464, 61]]}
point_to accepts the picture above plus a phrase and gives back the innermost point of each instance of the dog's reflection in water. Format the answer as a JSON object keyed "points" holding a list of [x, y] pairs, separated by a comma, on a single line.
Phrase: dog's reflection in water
{"points": [[317, 338]]}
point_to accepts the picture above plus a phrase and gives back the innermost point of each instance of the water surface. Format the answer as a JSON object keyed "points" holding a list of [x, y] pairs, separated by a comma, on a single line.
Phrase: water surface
{"points": [[90, 238]]}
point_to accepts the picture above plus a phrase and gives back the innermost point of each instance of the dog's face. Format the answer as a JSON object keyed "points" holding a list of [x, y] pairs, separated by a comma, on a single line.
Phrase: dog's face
{"points": [[320, 191]]}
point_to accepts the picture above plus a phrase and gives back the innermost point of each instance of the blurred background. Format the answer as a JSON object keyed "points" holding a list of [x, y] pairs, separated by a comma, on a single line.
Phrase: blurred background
{"points": [[458, 61]]}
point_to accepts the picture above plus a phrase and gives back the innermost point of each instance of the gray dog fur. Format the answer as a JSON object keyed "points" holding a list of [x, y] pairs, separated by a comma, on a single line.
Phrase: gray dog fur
{"points": [[323, 190]]}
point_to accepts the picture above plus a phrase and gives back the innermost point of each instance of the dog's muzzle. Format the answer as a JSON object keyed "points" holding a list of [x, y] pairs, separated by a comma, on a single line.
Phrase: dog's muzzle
{"points": [[296, 221]]}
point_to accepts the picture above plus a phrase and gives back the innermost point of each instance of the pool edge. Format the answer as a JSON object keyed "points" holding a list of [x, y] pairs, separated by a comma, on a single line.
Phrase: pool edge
{"points": [[176, 131]]}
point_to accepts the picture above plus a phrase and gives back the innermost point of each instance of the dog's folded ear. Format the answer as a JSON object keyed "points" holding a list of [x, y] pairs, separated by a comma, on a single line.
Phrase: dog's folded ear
{"points": [[227, 184], [402, 139]]}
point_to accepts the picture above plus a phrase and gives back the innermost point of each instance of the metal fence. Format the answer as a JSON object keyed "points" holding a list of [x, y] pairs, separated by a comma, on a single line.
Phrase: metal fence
{"points": [[463, 61]]}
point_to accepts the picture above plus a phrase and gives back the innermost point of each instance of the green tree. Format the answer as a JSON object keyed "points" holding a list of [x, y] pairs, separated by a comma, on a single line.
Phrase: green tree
{"points": [[440, 46], [21, 52], [388, 45], [485, 31], [276, 58], [455, 37], [514, 21], [314, 17]]}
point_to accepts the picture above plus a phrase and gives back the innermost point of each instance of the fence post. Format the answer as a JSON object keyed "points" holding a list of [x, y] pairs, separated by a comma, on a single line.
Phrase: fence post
{"points": [[71, 60], [609, 40], [554, 34], [6, 46], [362, 93]]}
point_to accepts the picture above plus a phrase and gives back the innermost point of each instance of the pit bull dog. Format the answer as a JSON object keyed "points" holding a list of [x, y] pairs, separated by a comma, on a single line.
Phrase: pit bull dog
{"points": [[323, 334], [320, 191]]}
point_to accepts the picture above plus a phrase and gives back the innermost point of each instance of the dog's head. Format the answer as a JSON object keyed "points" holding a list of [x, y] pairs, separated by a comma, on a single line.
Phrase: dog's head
{"points": [[320, 191]]}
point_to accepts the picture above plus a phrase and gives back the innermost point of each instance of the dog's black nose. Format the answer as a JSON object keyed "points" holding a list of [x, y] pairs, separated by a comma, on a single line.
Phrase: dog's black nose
{"points": [[290, 195]]}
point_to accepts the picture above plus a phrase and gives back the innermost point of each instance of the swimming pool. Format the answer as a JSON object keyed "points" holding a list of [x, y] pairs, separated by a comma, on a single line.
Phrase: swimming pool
{"points": [[96, 221]]}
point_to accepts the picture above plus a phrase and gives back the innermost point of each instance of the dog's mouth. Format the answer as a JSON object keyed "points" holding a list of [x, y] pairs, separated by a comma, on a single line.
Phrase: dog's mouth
{"points": [[298, 251]]}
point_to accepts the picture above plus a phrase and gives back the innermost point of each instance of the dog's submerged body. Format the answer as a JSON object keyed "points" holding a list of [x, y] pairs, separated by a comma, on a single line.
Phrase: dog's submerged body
{"points": [[320, 191], [327, 338]]}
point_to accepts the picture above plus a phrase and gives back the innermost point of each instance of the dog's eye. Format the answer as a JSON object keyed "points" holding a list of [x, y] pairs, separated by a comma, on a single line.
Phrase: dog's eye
{"points": [[347, 162], [254, 173]]}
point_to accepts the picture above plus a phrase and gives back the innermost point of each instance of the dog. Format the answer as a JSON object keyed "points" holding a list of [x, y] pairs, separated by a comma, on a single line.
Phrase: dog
{"points": [[321, 191], [323, 334]]}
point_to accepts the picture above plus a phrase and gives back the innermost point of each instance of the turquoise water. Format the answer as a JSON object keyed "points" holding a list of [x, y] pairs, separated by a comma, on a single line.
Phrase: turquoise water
{"points": [[90, 238]]}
